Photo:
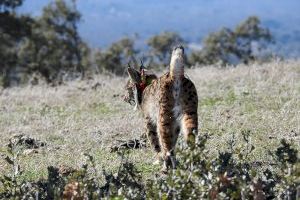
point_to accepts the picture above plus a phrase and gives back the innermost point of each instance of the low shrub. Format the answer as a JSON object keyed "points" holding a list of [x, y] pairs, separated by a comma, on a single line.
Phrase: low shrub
{"points": [[198, 176]]}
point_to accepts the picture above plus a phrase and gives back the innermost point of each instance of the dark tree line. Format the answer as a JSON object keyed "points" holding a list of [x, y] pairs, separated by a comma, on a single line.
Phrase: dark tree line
{"points": [[244, 44], [50, 47], [12, 29], [241, 45]]}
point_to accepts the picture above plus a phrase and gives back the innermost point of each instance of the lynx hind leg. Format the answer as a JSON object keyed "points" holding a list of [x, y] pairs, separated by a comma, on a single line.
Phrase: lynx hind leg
{"points": [[189, 102], [170, 156], [168, 140], [190, 127], [166, 123]]}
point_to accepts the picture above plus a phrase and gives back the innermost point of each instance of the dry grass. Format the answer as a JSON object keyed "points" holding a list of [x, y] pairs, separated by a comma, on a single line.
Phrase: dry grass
{"points": [[263, 100]]}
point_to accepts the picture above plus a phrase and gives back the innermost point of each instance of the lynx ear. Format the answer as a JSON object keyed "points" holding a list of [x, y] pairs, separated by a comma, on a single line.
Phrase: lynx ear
{"points": [[134, 75]]}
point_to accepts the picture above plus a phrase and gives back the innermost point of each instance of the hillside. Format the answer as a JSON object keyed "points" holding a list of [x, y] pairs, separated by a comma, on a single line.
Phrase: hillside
{"points": [[90, 116]]}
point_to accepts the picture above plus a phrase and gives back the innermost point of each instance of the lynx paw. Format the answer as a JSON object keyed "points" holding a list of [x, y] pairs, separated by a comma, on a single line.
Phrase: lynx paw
{"points": [[158, 160]]}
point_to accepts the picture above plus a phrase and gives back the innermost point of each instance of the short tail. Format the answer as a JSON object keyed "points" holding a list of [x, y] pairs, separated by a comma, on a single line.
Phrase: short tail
{"points": [[177, 62]]}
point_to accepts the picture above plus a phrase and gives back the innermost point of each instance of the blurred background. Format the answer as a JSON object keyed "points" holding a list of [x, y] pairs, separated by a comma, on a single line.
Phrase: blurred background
{"points": [[59, 40]]}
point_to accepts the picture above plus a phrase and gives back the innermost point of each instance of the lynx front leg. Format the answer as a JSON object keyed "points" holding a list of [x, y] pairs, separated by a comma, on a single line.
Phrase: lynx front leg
{"points": [[151, 132]]}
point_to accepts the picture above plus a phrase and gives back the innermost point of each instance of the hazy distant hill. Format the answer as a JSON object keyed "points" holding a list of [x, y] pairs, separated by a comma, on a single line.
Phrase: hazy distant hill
{"points": [[105, 21]]}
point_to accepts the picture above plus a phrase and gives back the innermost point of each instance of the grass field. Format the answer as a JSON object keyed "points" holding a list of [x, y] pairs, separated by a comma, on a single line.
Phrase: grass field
{"points": [[262, 100]]}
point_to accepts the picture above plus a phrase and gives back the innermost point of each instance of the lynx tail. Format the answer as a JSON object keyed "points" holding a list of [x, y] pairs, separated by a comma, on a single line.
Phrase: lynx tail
{"points": [[177, 62]]}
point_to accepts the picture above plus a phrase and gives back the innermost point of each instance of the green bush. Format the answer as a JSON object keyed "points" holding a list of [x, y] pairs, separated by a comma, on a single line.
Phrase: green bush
{"points": [[198, 176], [161, 46], [115, 59], [235, 46]]}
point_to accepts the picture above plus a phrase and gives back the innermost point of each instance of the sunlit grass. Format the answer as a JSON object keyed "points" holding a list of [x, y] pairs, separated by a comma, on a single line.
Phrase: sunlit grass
{"points": [[75, 118]]}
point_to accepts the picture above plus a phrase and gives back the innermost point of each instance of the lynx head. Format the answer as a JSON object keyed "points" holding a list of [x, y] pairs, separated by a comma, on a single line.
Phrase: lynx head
{"points": [[131, 86], [136, 84]]}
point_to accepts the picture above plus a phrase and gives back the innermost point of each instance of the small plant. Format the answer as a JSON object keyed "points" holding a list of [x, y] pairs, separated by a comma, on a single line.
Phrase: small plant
{"points": [[289, 170], [198, 176], [90, 184], [11, 184], [11, 181]]}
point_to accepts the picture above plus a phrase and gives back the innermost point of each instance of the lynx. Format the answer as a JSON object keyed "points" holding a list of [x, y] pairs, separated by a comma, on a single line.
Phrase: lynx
{"points": [[169, 106]]}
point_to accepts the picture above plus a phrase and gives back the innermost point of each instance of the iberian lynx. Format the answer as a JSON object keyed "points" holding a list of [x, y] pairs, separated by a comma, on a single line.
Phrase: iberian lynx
{"points": [[169, 106]]}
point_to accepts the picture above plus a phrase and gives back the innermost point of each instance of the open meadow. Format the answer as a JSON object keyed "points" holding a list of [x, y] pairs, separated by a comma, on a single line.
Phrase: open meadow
{"points": [[261, 101]]}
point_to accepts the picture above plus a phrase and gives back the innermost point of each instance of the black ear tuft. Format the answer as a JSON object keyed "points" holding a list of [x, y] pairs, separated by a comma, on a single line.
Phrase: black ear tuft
{"points": [[142, 65], [134, 75]]}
